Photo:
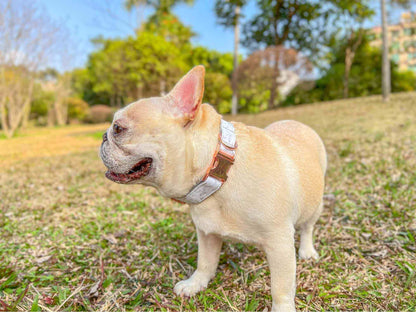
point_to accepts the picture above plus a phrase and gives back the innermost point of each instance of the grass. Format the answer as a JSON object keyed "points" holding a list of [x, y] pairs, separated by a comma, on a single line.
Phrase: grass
{"points": [[72, 241]]}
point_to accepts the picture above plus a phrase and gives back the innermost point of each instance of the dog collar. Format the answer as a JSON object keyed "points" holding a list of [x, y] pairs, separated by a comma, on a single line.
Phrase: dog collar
{"points": [[216, 173]]}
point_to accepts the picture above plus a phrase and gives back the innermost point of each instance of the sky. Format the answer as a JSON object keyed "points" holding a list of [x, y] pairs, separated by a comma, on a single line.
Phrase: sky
{"points": [[87, 19]]}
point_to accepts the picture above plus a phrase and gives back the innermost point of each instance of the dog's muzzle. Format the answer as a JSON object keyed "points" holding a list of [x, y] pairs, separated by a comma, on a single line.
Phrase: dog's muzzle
{"points": [[105, 137]]}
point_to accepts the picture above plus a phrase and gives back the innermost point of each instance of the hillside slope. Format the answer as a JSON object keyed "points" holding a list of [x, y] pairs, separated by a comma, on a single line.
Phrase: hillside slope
{"points": [[75, 241]]}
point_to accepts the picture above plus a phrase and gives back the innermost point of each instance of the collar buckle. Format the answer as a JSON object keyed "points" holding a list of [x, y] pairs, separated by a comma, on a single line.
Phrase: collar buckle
{"points": [[222, 164]]}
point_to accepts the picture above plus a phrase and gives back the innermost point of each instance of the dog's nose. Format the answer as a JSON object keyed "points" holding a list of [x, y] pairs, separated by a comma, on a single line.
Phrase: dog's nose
{"points": [[105, 138]]}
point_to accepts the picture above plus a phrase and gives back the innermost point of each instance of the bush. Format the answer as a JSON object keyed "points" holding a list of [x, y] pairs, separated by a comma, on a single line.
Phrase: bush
{"points": [[42, 100], [304, 92], [364, 80], [402, 81], [77, 108], [218, 92], [99, 114], [253, 100]]}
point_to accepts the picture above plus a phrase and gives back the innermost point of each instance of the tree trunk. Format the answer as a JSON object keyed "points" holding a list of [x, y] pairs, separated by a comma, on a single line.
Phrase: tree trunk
{"points": [[51, 117], [349, 59], [386, 80], [162, 87], [4, 121], [27, 105], [59, 108], [234, 102], [118, 102], [274, 80], [26, 115], [348, 63]]}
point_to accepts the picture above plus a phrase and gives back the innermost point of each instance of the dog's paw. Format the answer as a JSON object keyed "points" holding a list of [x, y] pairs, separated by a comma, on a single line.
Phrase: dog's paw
{"points": [[307, 253], [290, 307], [189, 287]]}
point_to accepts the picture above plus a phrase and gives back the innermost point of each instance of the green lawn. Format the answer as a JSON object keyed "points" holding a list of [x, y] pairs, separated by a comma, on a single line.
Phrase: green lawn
{"points": [[72, 240]]}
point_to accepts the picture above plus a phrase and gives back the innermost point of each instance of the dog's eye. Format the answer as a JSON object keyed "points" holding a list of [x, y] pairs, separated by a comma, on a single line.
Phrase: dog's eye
{"points": [[117, 128]]}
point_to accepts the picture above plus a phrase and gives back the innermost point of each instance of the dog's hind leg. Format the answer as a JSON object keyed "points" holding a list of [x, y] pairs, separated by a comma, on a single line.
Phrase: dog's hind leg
{"points": [[306, 249], [281, 256]]}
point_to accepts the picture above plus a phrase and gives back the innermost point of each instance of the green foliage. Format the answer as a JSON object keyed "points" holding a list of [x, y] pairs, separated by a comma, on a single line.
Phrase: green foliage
{"points": [[304, 92], [403, 81], [256, 76], [169, 27], [162, 6], [77, 108], [41, 102], [108, 73], [149, 64], [125, 70], [287, 23], [225, 11], [346, 11], [365, 77], [82, 86], [218, 91], [253, 101], [284, 21], [213, 61], [162, 21], [402, 3]]}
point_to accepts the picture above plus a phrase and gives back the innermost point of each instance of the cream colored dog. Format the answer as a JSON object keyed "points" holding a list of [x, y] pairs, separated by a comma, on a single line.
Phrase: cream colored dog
{"points": [[275, 185]]}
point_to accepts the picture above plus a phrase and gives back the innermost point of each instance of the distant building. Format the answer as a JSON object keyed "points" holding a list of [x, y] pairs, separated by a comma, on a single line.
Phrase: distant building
{"points": [[402, 41]]}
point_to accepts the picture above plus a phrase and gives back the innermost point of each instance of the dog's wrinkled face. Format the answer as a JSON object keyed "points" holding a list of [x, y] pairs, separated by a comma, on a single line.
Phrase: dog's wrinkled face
{"points": [[146, 142]]}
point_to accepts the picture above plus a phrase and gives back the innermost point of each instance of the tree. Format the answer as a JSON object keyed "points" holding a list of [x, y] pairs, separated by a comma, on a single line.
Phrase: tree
{"points": [[16, 89], [229, 14], [386, 79], [160, 6], [107, 69], [29, 40], [140, 66], [61, 88], [257, 75], [218, 91], [162, 21], [365, 77], [348, 17], [82, 85], [213, 61], [293, 23], [171, 28]]}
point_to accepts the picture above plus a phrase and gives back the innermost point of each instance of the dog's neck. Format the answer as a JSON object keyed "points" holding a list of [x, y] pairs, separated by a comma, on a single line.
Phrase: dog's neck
{"points": [[203, 141], [200, 146], [216, 173]]}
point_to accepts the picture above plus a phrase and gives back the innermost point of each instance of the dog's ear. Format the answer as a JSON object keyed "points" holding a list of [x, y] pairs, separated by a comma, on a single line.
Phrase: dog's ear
{"points": [[186, 97]]}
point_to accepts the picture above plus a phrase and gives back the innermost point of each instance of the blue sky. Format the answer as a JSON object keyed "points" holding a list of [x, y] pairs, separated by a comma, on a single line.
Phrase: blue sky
{"points": [[86, 19]]}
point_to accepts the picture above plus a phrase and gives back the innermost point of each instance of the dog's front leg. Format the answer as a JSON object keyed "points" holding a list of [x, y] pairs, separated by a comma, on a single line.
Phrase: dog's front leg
{"points": [[281, 257], [209, 248]]}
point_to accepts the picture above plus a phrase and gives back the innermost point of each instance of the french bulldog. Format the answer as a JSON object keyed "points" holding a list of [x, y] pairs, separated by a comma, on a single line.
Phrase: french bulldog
{"points": [[273, 185]]}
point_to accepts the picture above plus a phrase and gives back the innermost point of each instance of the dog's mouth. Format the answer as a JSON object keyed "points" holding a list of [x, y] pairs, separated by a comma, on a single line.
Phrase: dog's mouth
{"points": [[139, 170]]}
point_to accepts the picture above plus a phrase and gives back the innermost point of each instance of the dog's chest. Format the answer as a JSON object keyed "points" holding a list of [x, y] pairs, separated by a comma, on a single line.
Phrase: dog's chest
{"points": [[208, 220], [213, 221]]}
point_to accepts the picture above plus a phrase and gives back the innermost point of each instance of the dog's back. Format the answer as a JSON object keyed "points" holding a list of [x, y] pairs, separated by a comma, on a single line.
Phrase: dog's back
{"points": [[299, 138], [305, 149]]}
